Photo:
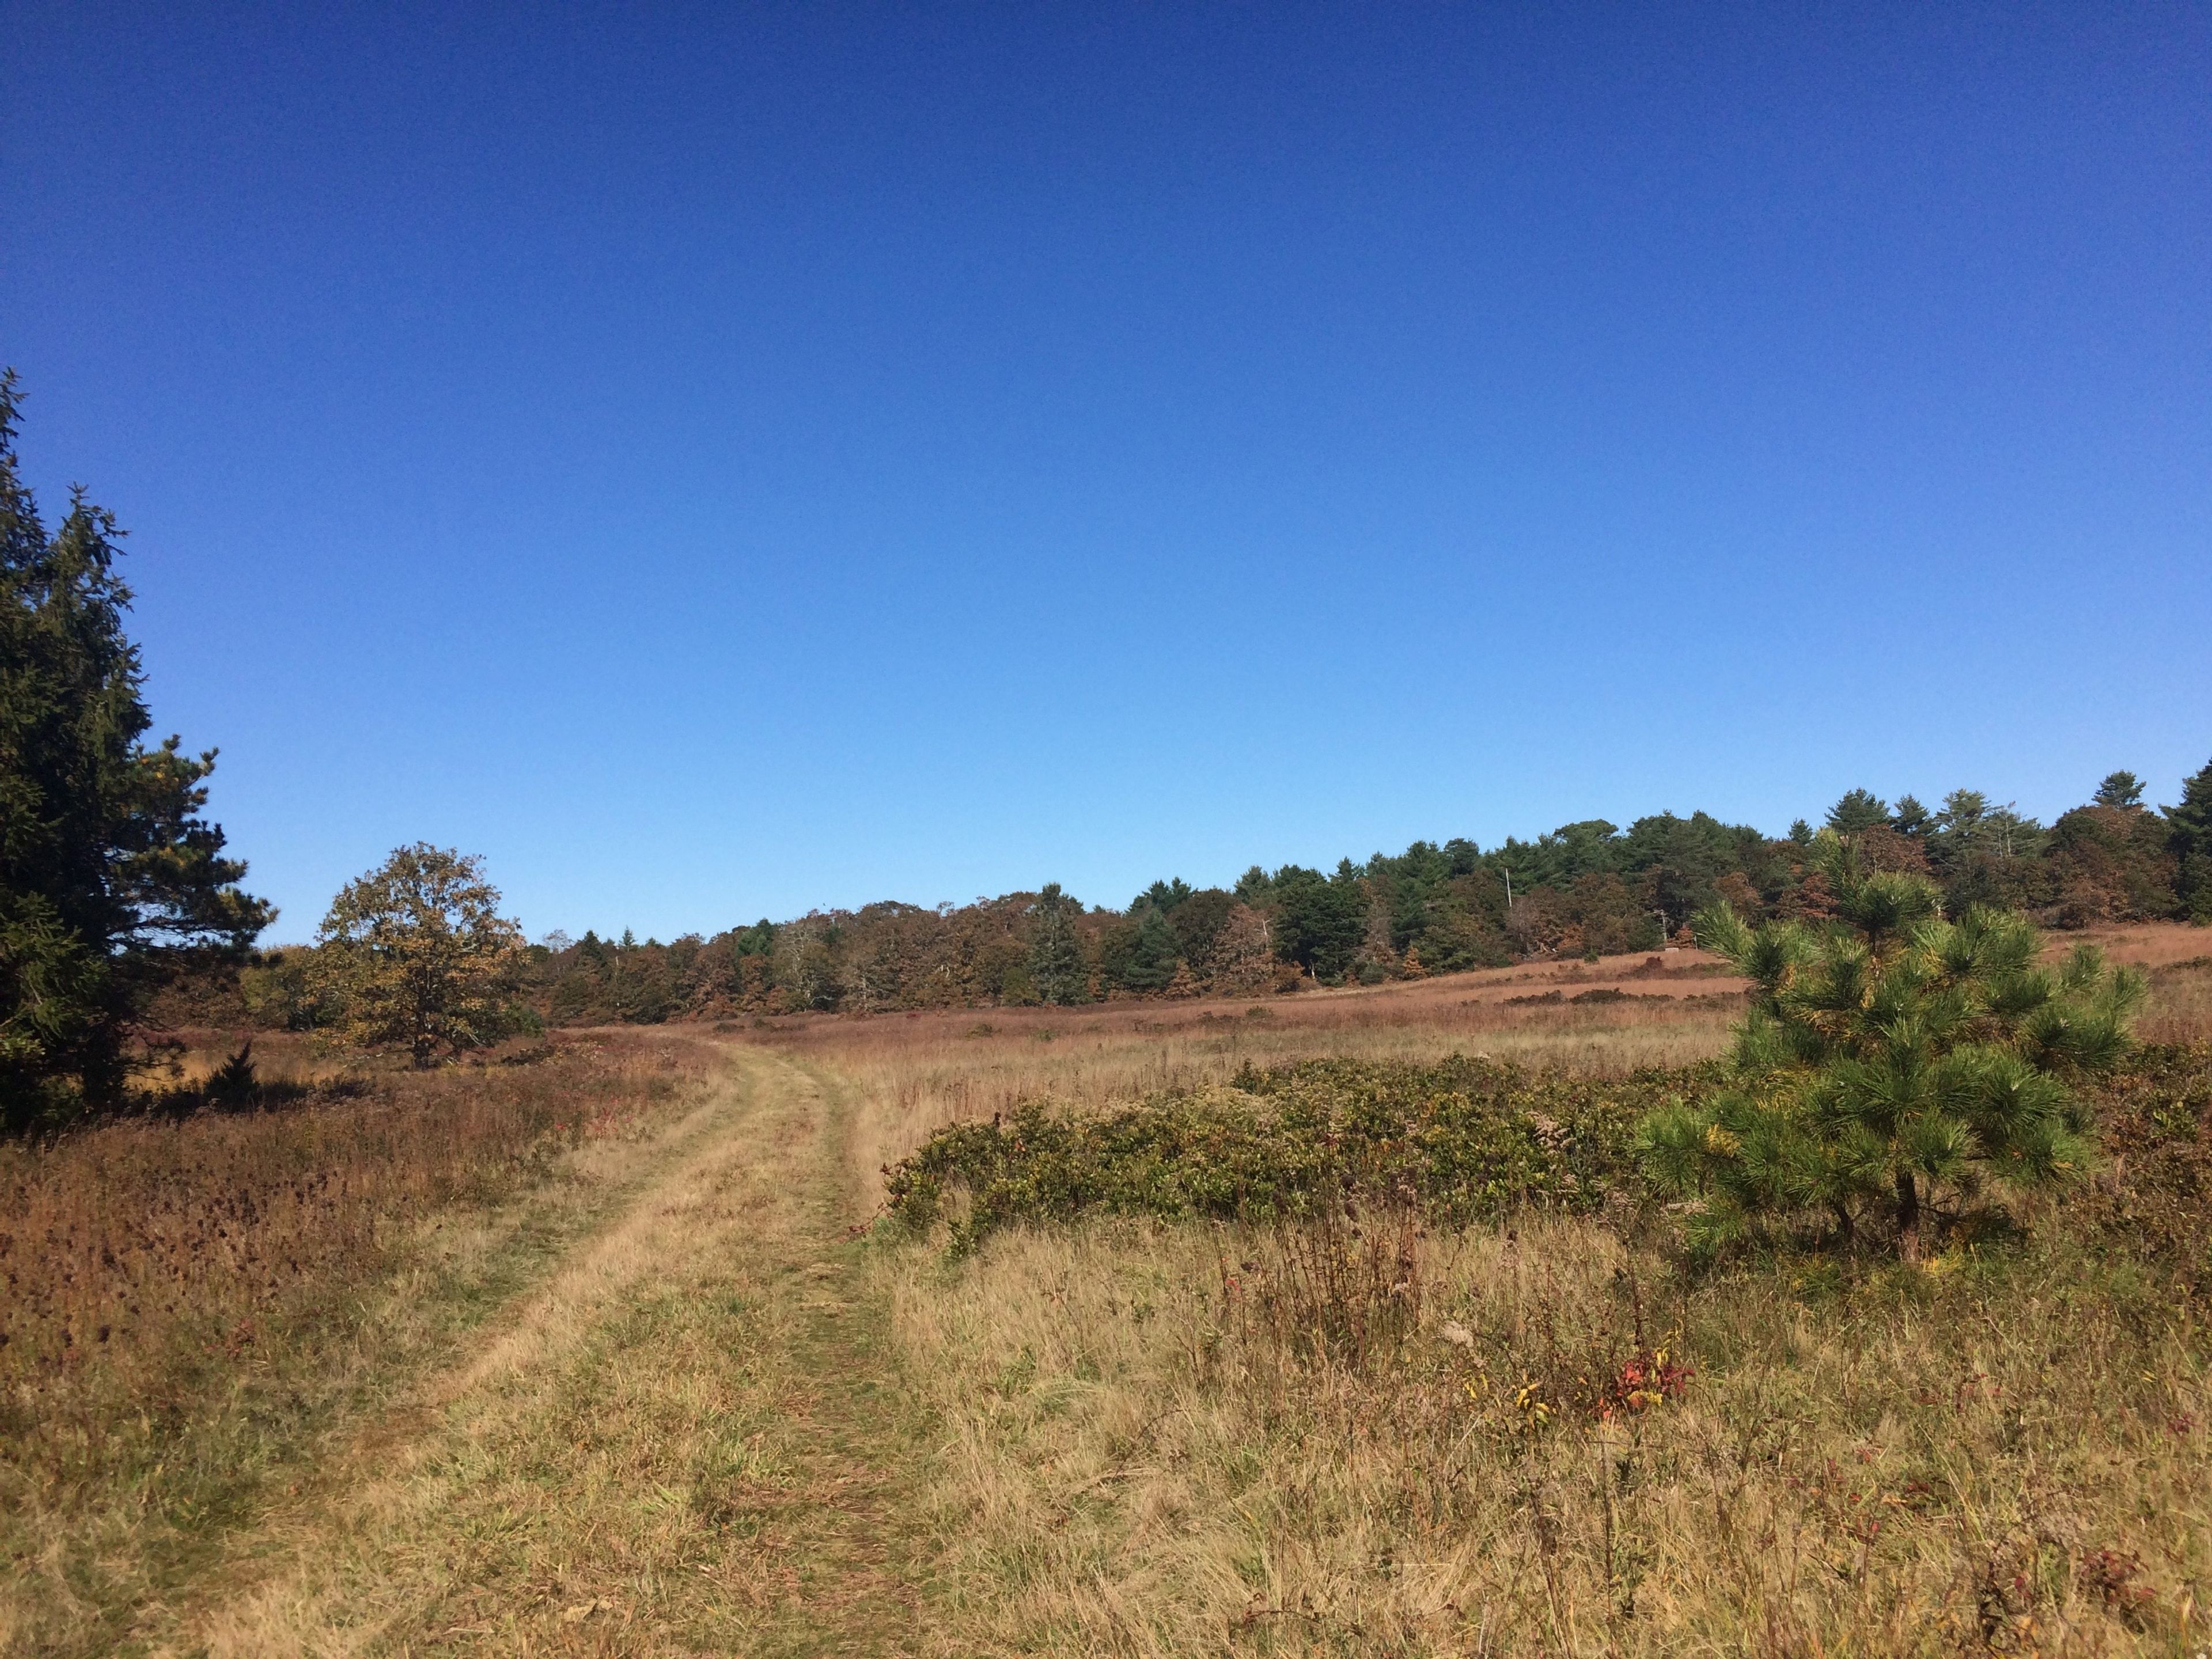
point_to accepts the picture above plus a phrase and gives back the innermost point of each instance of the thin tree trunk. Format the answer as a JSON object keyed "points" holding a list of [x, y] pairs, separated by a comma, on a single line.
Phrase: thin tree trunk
{"points": [[1908, 1217]]}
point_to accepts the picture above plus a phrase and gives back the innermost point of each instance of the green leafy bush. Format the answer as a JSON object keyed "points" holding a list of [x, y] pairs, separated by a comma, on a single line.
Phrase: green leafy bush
{"points": [[1460, 1141]]}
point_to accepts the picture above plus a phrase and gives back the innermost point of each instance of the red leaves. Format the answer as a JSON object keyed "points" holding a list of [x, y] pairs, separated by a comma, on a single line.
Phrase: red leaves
{"points": [[1646, 1380]]}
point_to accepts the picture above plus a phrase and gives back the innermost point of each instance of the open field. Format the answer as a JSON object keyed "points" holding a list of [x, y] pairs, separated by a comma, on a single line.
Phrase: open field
{"points": [[2003, 1452], [919, 1071], [193, 1306], [585, 1355]]}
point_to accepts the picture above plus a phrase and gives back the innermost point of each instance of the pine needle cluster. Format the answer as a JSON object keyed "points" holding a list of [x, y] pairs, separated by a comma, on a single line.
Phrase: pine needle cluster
{"points": [[1896, 1069]]}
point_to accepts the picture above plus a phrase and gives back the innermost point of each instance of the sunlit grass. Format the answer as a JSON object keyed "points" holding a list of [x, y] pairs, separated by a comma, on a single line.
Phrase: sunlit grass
{"points": [[188, 1302], [1353, 1436], [1545, 1436], [2001, 1456]]}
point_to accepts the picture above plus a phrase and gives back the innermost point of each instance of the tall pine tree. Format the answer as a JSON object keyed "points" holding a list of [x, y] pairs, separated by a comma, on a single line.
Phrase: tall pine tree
{"points": [[109, 875]]}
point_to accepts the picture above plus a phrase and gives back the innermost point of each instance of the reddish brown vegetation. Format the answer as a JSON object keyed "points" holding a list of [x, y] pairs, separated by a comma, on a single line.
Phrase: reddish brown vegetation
{"points": [[132, 1250]]}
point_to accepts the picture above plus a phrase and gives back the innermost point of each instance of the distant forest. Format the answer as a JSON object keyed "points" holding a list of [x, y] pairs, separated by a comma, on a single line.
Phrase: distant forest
{"points": [[1585, 890]]}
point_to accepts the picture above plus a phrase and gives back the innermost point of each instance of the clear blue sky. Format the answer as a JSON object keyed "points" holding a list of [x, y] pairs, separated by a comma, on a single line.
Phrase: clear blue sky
{"points": [[715, 465]]}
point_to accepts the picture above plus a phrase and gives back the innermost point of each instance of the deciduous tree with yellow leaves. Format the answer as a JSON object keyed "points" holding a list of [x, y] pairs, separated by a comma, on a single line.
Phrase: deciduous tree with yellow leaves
{"points": [[419, 957]]}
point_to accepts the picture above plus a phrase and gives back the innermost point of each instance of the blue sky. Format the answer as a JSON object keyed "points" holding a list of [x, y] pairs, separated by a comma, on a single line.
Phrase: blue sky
{"points": [[719, 463]]}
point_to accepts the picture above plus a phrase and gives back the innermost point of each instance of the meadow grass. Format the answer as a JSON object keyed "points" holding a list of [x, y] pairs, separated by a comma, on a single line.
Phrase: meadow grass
{"points": [[919, 1071], [272, 1382], [685, 1439], [192, 1303], [1547, 1434], [1569, 1450]]}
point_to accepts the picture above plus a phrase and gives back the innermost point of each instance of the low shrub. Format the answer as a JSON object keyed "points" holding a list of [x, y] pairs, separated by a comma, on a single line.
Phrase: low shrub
{"points": [[1469, 1139], [1460, 1141]]}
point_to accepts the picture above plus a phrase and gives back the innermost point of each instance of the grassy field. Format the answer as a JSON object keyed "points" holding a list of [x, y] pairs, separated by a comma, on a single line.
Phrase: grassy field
{"points": [[194, 1307], [2005, 1451], [598, 1352]]}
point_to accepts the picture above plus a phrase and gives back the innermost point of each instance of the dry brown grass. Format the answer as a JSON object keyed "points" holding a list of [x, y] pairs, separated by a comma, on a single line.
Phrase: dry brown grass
{"points": [[634, 1462], [685, 1440], [2179, 1007], [919, 1071], [190, 1302], [289, 1059], [2146, 944], [429, 1368], [1164, 1439], [118, 1238], [1914, 1463]]}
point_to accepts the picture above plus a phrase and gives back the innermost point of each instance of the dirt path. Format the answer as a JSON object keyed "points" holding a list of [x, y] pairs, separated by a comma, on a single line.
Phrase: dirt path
{"points": [[689, 1438]]}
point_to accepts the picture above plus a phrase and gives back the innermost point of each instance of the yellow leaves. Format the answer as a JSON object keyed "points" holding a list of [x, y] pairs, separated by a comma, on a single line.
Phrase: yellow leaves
{"points": [[1529, 1401], [1941, 1266], [1720, 1142], [416, 954]]}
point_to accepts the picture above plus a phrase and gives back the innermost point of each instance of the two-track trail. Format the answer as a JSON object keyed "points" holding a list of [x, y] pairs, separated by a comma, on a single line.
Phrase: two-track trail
{"points": [[687, 1439]]}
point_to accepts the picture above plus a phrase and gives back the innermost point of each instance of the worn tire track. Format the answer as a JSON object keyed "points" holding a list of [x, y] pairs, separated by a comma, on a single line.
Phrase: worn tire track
{"points": [[689, 1437]]}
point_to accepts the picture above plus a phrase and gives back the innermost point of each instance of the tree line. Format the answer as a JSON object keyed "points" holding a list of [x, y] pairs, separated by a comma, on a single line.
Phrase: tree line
{"points": [[1585, 890]]}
